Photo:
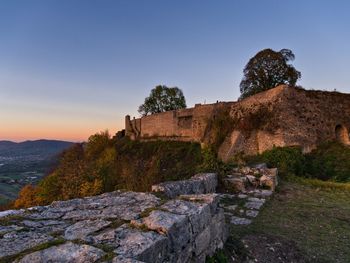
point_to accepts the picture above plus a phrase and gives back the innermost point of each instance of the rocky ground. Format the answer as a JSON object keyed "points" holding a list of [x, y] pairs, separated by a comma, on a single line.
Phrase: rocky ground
{"points": [[118, 227], [182, 221]]}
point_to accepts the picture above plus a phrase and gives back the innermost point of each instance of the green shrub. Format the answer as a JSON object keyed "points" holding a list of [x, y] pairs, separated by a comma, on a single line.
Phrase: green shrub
{"points": [[288, 160], [219, 257], [330, 161]]}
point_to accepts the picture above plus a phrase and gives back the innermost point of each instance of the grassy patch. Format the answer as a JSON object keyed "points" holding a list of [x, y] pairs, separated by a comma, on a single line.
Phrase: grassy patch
{"points": [[316, 219]]}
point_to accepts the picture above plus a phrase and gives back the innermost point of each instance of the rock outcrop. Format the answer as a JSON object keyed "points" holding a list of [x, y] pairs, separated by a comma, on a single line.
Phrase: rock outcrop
{"points": [[119, 227], [248, 178], [199, 184]]}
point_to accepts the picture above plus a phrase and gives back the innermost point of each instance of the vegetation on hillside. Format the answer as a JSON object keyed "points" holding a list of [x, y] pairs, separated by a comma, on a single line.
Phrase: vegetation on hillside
{"points": [[330, 161], [268, 69], [105, 164]]}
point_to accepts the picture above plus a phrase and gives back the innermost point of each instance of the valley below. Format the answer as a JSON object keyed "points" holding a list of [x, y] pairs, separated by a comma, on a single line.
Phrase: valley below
{"points": [[26, 163]]}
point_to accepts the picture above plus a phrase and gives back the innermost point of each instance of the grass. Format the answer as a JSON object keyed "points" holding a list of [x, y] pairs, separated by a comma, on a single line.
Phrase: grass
{"points": [[317, 219]]}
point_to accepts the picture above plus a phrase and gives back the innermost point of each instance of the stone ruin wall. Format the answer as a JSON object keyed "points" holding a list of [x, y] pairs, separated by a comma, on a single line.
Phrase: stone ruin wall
{"points": [[183, 125], [283, 116], [289, 117]]}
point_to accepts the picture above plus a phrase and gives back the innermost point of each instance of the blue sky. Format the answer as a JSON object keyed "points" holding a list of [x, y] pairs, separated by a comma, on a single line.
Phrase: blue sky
{"points": [[69, 69]]}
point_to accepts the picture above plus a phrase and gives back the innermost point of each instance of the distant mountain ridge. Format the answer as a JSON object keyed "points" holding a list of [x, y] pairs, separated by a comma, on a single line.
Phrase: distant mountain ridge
{"points": [[42, 147]]}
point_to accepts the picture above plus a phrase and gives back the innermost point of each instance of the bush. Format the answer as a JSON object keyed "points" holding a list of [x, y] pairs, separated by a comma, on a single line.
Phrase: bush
{"points": [[288, 160], [330, 161]]}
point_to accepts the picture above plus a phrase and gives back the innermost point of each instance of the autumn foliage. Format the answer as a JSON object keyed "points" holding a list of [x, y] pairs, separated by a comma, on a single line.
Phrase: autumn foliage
{"points": [[105, 164]]}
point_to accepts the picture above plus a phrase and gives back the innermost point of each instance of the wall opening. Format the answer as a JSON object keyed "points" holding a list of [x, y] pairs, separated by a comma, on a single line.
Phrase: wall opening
{"points": [[342, 134]]}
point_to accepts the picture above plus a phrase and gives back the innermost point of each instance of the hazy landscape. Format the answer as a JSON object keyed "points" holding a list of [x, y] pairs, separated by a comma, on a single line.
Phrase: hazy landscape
{"points": [[26, 163]]}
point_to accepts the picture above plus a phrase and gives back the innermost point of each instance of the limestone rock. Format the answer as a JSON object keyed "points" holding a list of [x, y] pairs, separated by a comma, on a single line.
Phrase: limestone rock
{"points": [[82, 229], [202, 241], [15, 242], [199, 214], [128, 242], [176, 227], [252, 213], [66, 253], [254, 203], [121, 259], [185, 229], [234, 184], [198, 184], [269, 179], [240, 221]]}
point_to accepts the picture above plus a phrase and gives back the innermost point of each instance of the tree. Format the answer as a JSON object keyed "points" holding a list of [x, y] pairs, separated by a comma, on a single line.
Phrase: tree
{"points": [[268, 69], [163, 99], [27, 197]]}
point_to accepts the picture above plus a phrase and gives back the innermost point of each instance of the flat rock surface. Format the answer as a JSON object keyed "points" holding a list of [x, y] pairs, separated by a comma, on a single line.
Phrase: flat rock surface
{"points": [[66, 253], [15, 242], [126, 227]]}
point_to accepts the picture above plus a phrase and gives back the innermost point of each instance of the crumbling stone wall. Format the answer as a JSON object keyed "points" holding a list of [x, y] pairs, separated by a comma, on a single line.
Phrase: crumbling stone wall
{"points": [[287, 116], [283, 116], [119, 227]]}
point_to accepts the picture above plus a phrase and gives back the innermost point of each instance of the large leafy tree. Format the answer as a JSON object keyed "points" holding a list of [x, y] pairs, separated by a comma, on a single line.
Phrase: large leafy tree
{"points": [[163, 99], [268, 69]]}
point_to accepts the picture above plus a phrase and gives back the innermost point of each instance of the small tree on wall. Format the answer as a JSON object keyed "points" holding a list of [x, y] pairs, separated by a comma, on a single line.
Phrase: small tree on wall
{"points": [[163, 99], [266, 70]]}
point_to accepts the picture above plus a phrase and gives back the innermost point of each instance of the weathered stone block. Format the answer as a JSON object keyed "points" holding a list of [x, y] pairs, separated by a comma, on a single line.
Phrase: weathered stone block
{"points": [[175, 226], [202, 241], [82, 229], [128, 242], [198, 184], [66, 253], [234, 184], [269, 179], [15, 242], [121, 259], [199, 214]]}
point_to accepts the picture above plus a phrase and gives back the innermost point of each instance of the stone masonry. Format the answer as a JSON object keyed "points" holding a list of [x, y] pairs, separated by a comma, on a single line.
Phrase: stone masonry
{"points": [[118, 227], [282, 116]]}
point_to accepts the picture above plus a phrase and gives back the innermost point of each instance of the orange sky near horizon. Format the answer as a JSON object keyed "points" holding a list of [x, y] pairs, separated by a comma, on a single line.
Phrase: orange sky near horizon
{"points": [[51, 133], [64, 128]]}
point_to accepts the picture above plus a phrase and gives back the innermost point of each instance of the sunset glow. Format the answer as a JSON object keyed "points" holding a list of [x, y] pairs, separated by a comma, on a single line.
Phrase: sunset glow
{"points": [[69, 69]]}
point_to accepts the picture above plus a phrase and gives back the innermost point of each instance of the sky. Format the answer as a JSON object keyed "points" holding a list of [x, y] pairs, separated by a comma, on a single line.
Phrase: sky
{"points": [[69, 69]]}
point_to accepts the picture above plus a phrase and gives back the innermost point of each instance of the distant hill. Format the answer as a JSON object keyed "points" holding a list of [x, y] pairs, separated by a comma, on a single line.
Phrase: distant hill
{"points": [[43, 148]]}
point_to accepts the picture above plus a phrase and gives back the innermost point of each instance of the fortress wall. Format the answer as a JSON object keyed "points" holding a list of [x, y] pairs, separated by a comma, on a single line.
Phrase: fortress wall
{"points": [[311, 117], [183, 124], [283, 116], [286, 116], [161, 124]]}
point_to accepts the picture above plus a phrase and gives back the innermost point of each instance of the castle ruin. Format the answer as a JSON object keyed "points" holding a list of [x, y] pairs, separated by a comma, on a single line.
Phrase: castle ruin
{"points": [[282, 116]]}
